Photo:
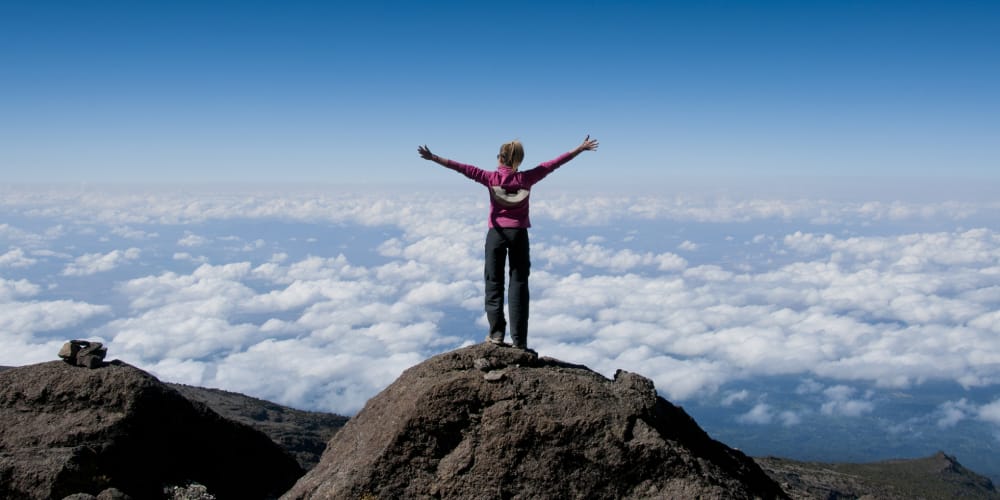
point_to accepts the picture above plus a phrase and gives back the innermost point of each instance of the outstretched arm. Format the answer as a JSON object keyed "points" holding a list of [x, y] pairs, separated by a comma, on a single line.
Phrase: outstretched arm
{"points": [[470, 171], [588, 144], [426, 154], [538, 173]]}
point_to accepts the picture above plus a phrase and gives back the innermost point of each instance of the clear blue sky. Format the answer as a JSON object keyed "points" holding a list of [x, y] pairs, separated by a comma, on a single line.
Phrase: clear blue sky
{"points": [[189, 91]]}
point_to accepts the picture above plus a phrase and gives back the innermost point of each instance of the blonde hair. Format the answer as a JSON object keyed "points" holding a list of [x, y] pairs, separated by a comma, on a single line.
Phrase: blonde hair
{"points": [[511, 154]]}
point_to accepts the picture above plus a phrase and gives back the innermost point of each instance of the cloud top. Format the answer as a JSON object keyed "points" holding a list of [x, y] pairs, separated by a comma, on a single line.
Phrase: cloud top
{"points": [[326, 317]]}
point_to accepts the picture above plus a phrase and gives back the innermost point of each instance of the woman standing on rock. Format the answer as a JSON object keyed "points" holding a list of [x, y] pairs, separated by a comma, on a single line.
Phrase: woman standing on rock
{"points": [[507, 238]]}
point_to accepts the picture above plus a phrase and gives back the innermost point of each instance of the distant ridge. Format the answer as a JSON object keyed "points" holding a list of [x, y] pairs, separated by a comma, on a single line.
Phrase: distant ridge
{"points": [[938, 476], [304, 434]]}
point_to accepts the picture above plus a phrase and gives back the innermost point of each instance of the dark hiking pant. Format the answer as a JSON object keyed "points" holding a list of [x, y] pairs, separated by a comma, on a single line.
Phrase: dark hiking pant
{"points": [[503, 244]]}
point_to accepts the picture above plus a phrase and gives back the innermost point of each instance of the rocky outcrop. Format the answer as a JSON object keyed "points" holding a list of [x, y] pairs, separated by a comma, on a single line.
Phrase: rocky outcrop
{"points": [[481, 422], [68, 429], [496, 422]]}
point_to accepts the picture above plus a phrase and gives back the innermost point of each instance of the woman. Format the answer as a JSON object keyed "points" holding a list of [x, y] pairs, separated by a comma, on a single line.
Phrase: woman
{"points": [[507, 238]]}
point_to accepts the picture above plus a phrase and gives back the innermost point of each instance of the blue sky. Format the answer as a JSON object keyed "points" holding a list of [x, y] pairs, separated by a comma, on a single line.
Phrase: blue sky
{"points": [[333, 92]]}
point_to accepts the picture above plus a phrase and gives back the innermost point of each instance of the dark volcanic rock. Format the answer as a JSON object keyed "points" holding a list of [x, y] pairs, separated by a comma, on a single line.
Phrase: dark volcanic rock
{"points": [[495, 422], [68, 429]]}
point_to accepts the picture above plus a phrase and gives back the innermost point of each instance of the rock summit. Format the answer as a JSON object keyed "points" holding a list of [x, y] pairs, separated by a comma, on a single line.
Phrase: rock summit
{"points": [[496, 422]]}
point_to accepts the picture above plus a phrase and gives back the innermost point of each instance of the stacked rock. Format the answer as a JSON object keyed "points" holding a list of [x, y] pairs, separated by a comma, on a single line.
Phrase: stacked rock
{"points": [[83, 353]]}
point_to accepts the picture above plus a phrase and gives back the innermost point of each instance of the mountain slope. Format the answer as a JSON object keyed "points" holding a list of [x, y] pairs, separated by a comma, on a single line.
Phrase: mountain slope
{"points": [[939, 476]]}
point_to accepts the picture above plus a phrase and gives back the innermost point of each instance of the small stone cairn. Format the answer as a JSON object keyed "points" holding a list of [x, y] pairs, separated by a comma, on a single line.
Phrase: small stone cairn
{"points": [[83, 353]]}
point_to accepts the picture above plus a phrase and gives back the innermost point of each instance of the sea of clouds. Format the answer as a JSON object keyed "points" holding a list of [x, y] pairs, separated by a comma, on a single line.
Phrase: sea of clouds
{"points": [[320, 297]]}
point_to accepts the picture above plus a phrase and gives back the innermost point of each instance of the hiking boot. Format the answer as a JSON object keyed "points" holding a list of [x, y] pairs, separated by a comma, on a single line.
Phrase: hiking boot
{"points": [[524, 348], [496, 340]]}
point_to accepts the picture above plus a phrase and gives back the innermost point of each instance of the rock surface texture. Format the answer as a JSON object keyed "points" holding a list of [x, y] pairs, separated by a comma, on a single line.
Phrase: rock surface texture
{"points": [[496, 422], [67, 429]]}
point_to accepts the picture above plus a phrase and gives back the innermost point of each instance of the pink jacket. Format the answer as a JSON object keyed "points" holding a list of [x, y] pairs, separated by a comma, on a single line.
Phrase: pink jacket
{"points": [[509, 189]]}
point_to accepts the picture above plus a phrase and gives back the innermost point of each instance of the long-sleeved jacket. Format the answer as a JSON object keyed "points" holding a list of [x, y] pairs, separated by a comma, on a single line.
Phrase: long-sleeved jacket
{"points": [[509, 189]]}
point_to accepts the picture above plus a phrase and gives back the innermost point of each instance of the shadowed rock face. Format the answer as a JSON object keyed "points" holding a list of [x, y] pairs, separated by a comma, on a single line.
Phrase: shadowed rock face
{"points": [[494, 422], [303, 434], [67, 429]]}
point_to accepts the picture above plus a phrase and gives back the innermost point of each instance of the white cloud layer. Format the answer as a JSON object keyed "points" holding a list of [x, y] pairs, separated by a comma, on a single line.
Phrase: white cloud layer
{"points": [[886, 308], [990, 413], [16, 258], [24, 321], [951, 413], [93, 263], [841, 401], [764, 414], [126, 208], [352, 330], [597, 256]]}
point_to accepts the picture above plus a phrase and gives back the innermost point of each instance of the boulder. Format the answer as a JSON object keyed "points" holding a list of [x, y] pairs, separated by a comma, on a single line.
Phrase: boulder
{"points": [[68, 429], [496, 422]]}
